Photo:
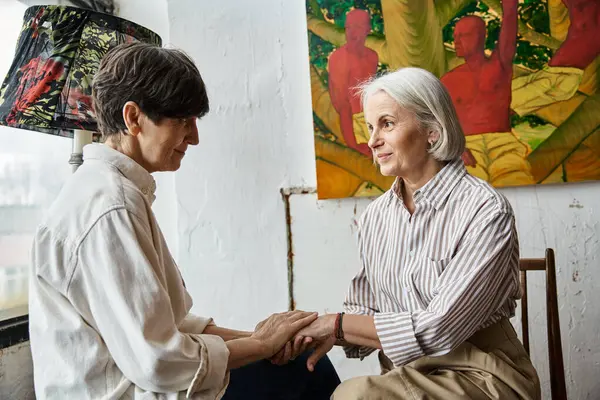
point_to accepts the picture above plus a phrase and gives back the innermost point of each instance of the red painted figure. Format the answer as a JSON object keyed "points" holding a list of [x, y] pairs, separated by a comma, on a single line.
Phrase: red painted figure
{"points": [[481, 88], [582, 44], [348, 66]]}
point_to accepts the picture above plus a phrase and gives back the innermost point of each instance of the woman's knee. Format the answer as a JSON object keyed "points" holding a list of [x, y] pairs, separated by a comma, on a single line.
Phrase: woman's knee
{"points": [[354, 388]]}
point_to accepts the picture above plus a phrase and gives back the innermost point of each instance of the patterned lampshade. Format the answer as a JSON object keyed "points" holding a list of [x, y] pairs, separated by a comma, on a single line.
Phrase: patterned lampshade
{"points": [[48, 87]]}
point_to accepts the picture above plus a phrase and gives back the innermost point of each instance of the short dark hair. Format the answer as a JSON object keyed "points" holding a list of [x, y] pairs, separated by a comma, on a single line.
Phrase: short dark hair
{"points": [[164, 83]]}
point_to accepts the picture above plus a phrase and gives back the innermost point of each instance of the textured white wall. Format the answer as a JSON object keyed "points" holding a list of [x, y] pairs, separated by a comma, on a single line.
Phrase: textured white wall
{"points": [[256, 139], [566, 218]]}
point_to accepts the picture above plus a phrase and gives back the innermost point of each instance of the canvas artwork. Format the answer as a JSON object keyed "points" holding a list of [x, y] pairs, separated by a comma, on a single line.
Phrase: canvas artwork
{"points": [[523, 76]]}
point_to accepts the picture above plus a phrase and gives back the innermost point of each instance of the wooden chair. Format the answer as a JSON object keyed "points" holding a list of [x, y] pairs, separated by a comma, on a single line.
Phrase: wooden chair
{"points": [[555, 356]]}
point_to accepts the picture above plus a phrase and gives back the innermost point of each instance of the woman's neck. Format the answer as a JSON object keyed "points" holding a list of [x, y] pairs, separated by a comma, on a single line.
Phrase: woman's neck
{"points": [[416, 179], [129, 146]]}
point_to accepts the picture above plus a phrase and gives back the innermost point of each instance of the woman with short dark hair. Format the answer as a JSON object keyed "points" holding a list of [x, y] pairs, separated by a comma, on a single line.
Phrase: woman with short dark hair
{"points": [[109, 313]]}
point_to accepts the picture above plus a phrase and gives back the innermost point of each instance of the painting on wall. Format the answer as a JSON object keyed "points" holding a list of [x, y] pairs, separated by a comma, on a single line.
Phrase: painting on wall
{"points": [[523, 76]]}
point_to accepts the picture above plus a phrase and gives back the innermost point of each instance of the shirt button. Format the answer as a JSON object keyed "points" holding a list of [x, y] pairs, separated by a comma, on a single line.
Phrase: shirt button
{"points": [[412, 253]]}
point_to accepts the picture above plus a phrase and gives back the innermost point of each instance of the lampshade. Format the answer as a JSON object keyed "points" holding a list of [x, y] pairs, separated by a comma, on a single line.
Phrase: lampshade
{"points": [[49, 85]]}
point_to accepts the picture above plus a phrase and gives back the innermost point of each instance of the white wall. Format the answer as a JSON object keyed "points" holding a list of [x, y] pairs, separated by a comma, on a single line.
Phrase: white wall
{"points": [[566, 218], [255, 140], [258, 139]]}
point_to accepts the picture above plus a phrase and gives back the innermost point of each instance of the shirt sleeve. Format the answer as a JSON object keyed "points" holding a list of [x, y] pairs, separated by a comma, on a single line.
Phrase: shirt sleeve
{"points": [[195, 324], [476, 283], [360, 300], [120, 287]]}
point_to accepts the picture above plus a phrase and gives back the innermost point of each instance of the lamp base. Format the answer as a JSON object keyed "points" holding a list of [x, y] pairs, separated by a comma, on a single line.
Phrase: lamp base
{"points": [[75, 160], [80, 139]]}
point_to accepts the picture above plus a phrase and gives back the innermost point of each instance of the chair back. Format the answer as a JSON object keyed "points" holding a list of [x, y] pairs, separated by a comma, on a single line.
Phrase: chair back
{"points": [[555, 356]]}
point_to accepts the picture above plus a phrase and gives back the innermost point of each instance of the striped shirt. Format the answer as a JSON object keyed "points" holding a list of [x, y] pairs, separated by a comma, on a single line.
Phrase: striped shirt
{"points": [[433, 278]]}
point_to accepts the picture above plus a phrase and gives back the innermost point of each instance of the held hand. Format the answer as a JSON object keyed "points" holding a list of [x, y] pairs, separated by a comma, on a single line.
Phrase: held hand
{"points": [[283, 355], [321, 329], [291, 350], [322, 332], [321, 349], [275, 331]]}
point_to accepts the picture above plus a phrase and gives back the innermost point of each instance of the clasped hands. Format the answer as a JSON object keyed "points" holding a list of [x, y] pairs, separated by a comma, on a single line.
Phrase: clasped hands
{"points": [[287, 335]]}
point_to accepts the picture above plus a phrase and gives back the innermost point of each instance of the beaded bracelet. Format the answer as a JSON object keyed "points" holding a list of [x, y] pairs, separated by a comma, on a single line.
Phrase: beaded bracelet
{"points": [[339, 330]]}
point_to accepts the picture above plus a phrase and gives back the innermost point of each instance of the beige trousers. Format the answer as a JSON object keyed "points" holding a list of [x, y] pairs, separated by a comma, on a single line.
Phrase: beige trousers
{"points": [[492, 364]]}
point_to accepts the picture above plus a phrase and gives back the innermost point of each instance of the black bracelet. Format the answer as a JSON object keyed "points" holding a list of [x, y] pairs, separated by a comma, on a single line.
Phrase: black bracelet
{"points": [[339, 335]]}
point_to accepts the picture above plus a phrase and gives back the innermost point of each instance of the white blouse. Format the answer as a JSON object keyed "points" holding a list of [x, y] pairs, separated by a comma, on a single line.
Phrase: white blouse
{"points": [[108, 310]]}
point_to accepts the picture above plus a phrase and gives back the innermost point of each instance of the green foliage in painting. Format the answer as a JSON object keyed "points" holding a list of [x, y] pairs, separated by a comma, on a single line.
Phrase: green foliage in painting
{"points": [[535, 14], [336, 10], [319, 51], [533, 120], [532, 56]]}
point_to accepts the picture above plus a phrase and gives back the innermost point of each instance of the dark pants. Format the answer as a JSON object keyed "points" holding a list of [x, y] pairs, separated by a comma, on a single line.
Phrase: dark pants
{"points": [[265, 381]]}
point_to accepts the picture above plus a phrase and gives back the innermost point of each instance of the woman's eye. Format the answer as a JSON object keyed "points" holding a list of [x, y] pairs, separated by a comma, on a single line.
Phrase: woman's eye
{"points": [[388, 124]]}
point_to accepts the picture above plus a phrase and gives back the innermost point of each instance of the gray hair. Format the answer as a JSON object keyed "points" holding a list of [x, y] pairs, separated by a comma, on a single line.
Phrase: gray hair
{"points": [[422, 93]]}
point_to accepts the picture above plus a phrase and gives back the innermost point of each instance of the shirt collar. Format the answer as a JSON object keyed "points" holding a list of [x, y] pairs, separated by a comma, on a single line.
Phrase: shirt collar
{"points": [[437, 190], [126, 166]]}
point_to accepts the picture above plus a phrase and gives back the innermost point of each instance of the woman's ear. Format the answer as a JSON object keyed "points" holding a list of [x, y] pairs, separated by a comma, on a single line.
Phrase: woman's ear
{"points": [[433, 137], [132, 115]]}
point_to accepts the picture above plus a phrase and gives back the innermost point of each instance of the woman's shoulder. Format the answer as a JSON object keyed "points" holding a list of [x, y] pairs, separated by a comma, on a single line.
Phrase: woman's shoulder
{"points": [[93, 192], [487, 197]]}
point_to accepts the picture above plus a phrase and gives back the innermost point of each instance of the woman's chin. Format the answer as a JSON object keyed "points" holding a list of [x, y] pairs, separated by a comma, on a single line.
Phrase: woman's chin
{"points": [[386, 170]]}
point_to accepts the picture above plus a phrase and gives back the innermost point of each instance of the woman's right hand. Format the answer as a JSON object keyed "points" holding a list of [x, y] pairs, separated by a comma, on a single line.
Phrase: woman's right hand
{"points": [[274, 332]]}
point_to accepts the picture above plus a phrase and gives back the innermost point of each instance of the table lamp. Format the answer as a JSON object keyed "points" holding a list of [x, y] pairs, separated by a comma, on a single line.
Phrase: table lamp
{"points": [[48, 88]]}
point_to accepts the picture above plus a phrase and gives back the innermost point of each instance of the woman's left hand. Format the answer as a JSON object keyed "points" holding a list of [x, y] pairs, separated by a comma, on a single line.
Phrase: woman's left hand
{"points": [[291, 350], [322, 347], [322, 332], [320, 329]]}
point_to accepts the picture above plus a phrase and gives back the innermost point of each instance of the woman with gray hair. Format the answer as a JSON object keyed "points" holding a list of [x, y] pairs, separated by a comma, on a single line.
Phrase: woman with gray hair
{"points": [[439, 262]]}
